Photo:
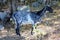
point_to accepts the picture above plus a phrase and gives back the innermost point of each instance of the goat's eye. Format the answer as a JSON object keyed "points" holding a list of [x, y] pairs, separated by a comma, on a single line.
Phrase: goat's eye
{"points": [[46, 11], [10, 18]]}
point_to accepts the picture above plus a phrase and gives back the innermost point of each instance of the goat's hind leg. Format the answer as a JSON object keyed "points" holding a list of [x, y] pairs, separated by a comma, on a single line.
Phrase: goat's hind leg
{"points": [[17, 29]]}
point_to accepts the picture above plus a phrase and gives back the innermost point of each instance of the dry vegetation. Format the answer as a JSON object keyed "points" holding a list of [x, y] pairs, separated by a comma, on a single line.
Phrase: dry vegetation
{"points": [[48, 29]]}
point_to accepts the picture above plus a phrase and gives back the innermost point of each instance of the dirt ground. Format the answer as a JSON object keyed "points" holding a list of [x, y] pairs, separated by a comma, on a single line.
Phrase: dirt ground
{"points": [[48, 29]]}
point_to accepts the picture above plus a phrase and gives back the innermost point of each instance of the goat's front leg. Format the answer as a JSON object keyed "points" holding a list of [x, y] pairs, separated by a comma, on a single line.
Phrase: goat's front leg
{"points": [[32, 29]]}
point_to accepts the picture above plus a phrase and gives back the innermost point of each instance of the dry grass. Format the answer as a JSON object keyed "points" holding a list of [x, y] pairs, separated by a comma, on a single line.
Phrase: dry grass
{"points": [[49, 29]]}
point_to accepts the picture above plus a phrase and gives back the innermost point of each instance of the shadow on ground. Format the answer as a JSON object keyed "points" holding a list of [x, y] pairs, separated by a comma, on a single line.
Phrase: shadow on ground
{"points": [[12, 38]]}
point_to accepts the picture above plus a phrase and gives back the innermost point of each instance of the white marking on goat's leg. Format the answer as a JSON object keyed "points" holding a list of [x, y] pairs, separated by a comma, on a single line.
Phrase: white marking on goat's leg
{"points": [[32, 22]]}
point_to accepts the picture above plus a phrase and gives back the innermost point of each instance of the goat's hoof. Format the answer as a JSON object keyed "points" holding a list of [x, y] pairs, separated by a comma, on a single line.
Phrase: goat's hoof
{"points": [[31, 33], [19, 35]]}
